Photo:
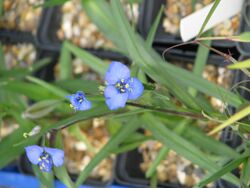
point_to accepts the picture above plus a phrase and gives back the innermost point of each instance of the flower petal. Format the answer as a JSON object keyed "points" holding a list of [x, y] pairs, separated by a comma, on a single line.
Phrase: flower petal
{"points": [[135, 89], [57, 155], [116, 72], [33, 153], [79, 94], [110, 91], [85, 105], [117, 101]]}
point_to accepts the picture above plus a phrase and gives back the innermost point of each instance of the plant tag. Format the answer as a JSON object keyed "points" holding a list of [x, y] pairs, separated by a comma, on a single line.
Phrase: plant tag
{"points": [[191, 24]]}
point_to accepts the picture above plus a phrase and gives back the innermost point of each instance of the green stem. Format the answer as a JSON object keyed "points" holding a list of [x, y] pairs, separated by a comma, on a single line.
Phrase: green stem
{"points": [[168, 111]]}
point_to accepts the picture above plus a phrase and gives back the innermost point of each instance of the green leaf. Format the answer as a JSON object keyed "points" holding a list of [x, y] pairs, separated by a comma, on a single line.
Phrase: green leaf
{"points": [[201, 60], [2, 59], [53, 89], [180, 128], [207, 143], [88, 86], [61, 172], [127, 147], [103, 19], [32, 91], [243, 37], [65, 63], [19, 73], [93, 62], [114, 141], [216, 3], [153, 181], [240, 65], [154, 27], [63, 176], [79, 135], [245, 175], [41, 109], [182, 146], [234, 118], [45, 179], [95, 111], [51, 3], [223, 170], [161, 155]]}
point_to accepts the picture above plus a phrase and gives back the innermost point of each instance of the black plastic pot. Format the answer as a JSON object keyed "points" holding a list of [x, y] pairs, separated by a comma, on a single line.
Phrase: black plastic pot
{"points": [[46, 73], [128, 172], [16, 37], [244, 47], [149, 11]]}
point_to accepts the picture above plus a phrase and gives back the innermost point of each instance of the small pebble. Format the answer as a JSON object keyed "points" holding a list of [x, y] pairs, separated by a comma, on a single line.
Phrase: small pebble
{"points": [[20, 15]]}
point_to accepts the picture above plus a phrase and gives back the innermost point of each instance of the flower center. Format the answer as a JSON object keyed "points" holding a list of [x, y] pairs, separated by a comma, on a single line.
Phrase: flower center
{"points": [[79, 99], [122, 86], [45, 162]]}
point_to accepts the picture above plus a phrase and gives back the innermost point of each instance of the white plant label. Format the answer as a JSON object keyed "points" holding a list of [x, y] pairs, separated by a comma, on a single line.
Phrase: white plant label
{"points": [[191, 24]]}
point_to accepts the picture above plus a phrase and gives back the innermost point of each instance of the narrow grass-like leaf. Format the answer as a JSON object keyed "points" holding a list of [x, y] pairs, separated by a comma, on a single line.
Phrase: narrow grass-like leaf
{"points": [[105, 151], [153, 181], [206, 143], [201, 60], [61, 172], [45, 179], [56, 90], [245, 173], [41, 109], [126, 148], [104, 20], [88, 86], [65, 64], [2, 60], [161, 155], [240, 65], [154, 27], [227, 168], [165, 150], [182, 146], [63, 176], [79, 135], [32, 91], [234, 118], [19, 73], [95, 63], [216, 3], [243, 37], [51, 3]]}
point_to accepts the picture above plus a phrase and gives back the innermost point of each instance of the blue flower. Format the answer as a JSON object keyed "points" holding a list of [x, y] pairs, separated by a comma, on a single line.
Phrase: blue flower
{"points": [[79, 101], [120, 86], [45, 157]]}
